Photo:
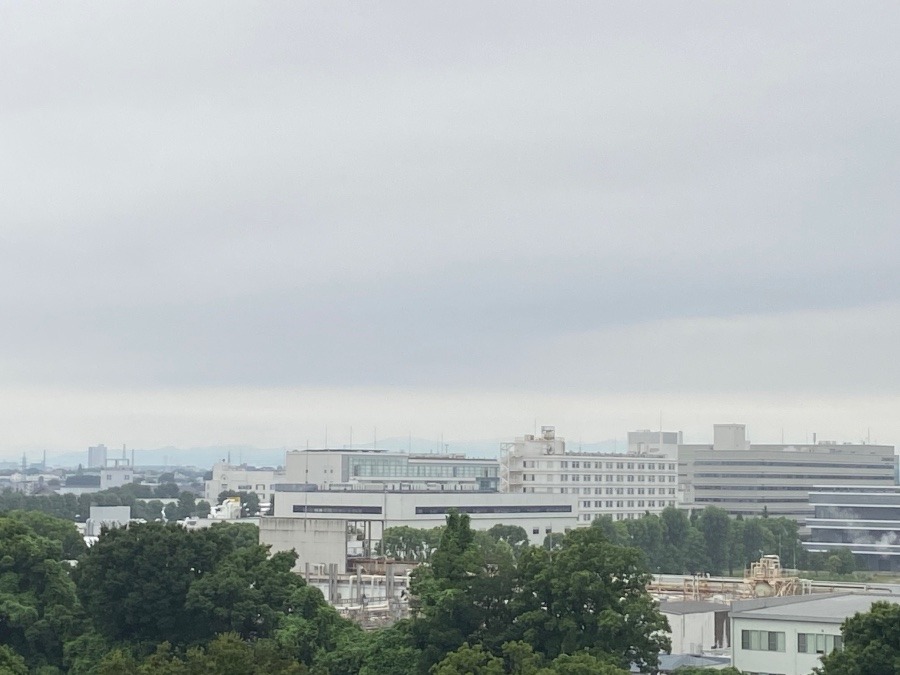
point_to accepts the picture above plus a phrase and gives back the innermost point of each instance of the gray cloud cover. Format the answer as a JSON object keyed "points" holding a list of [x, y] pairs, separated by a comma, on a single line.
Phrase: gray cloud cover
{"points": [[659, 200]]}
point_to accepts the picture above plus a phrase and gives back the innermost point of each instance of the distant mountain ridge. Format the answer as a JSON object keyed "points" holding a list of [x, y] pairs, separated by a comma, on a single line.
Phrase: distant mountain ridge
{"points": [[205, 457]]}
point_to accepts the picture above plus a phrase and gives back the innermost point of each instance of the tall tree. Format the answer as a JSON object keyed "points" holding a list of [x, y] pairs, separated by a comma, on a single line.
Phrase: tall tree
{"points": [[134, 582], [38, 606], [455, 596], [714, 524], [589, 595]]}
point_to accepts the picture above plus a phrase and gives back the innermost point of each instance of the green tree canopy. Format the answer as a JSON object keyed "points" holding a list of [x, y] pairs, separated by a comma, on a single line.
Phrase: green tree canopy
{"points": [[871, 644], [589, 595], [135, 582], [38, 607]]}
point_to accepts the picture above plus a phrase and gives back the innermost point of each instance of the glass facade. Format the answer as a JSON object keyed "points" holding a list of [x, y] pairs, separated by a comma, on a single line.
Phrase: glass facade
{"points": [[403, 468]]}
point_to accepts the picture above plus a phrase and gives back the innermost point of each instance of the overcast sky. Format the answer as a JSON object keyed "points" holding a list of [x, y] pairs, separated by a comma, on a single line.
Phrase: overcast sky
{"points": [[242, 223]]}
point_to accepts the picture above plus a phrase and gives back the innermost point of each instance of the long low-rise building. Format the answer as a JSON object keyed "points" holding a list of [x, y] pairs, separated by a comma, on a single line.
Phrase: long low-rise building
{"points": [[789, 635], [319, 523]]}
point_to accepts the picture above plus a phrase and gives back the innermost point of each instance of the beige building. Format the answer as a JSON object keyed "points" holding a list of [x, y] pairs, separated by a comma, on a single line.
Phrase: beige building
{"points": [[622, 486], [241, 478]]}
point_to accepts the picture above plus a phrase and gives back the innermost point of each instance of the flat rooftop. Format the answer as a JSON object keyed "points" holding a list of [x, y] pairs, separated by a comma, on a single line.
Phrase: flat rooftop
{"points": [[825, 608]]}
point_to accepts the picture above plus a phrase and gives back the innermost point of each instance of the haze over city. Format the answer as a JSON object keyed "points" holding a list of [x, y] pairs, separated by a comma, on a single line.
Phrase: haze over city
{"points": [[244, 224]]}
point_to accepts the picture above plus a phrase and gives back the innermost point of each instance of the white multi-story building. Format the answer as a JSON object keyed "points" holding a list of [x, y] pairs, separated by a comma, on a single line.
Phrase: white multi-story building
{"points": [[623, 486], [789, 635], [241, 478]]}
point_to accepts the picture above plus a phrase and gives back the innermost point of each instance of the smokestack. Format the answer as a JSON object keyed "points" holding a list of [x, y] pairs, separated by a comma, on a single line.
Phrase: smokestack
{"points": [[814, 438]]}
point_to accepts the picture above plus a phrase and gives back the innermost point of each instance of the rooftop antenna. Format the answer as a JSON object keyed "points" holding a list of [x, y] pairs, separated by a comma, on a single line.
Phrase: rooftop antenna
{"points": [[409, 443], [351, 438], [326, 436], [132, 458], [375, 438], [44, 463], [660, 431]]}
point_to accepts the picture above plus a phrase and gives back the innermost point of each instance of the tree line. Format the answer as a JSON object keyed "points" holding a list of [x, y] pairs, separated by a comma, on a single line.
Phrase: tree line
{"points": [[156, 598], [145, 502], [705, 542]]}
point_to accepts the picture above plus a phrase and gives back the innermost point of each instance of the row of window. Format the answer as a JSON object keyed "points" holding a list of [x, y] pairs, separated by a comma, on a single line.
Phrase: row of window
{"points": [[530, 508], [762, 640], [631, 503], [830, 465], [631, 466], [755, 488], [598, 478], [774, 641], [375, 469], [600, 491], [630, 491], [587, 517], [260, 487]]}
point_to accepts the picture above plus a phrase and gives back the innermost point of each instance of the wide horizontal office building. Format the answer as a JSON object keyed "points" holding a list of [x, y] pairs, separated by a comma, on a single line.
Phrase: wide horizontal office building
{"points": [[327, 467], [750, 479], [317, 523], [865, 520]]}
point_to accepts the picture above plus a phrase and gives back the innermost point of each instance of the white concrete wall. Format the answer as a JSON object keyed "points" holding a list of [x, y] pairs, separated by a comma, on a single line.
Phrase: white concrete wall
{"points": [[115, 476], [106, 516], [396, 509], [318, 541], [692, 633], [241, 479], [730, 437], [319, 468], [788, 662]]}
